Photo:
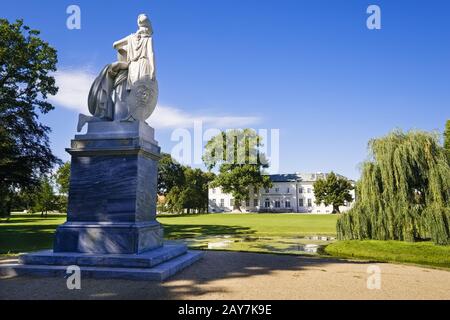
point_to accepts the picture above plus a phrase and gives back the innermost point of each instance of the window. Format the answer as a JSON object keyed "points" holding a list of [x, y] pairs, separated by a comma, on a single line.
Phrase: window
{"points": [[309, 203], [247, 203], [277, 204], [231, 202], [277, 189], [255, 202], [267, 190], [309, 190], [222, 203], [267, 203], [300, 190], [288, 203], [288, 190], [300, 202]]}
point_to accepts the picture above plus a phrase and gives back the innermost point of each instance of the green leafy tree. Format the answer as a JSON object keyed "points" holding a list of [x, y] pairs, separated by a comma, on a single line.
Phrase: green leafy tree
{"points": [[404, 191], [24, 199], [26, 66], [237, 155], [192, 196], [447, 139], [45, 198], [333, 190], [63, 178], [170, 174]]}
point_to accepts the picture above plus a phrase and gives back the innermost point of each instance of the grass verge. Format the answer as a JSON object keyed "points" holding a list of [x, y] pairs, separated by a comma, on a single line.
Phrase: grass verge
{"points": [[420, 253]]}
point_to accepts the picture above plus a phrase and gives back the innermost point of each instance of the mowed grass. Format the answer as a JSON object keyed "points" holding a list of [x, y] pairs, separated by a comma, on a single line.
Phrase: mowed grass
{"points": [[25, 232], [274, 233], [422, 253], [246, 224]]}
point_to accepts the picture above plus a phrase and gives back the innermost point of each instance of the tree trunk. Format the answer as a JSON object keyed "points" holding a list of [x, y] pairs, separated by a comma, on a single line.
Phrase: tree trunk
{"points": [[336, 209]]}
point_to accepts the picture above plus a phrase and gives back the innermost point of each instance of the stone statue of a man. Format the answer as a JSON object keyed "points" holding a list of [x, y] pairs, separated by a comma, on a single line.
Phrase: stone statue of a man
{"points": [[126, 90]]}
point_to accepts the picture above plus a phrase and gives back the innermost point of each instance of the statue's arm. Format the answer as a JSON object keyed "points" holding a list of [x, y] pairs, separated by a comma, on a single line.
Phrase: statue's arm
{"points": [[120, 43]]}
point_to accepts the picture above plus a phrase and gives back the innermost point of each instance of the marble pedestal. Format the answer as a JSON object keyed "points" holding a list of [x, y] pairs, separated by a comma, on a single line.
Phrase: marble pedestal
{"points": [[112, 194], [111, 210]]}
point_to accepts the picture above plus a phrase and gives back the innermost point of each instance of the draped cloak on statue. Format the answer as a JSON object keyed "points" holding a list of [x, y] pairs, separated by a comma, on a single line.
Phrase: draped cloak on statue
{"points": [[136, 86]]}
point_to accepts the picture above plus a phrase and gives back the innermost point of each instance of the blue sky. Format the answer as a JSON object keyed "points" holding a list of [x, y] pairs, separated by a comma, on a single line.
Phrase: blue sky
{"points": [[309, 68]]}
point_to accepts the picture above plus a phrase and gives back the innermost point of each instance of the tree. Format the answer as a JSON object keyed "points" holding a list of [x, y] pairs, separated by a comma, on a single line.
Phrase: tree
{"points": [[45, 199], [24, 199], [170, 174], [192, 195], [447, 139], [63, 178], [241, 164], [404, 191], [26, 67], [333, 190]]}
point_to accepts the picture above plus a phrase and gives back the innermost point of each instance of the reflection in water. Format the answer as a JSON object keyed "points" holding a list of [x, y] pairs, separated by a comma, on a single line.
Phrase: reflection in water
{"points": [[291, 245]]}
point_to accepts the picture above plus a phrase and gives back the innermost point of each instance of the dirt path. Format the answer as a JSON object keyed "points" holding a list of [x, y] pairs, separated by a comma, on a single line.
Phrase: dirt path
{"points": [[232, 275]]}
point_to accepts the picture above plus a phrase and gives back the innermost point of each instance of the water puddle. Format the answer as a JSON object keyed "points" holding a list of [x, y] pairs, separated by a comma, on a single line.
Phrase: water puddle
{"points": [[292, 245]]}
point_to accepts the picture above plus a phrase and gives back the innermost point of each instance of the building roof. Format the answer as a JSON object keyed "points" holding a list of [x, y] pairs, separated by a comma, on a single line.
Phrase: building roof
{"points": [[283, 177], [297, 177]]}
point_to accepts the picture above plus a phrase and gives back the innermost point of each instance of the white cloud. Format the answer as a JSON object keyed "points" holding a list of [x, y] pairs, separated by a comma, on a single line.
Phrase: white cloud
{"points": [[74, 88], [170, 117]]}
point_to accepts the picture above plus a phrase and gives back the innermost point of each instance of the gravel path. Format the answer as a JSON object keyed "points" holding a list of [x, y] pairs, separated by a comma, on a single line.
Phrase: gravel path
{"points": [[234, 275]]}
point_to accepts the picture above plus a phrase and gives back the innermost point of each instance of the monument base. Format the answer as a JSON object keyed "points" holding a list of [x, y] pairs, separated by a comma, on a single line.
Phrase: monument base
{"points": [[111, 229], [119, 238], [157, 265]]}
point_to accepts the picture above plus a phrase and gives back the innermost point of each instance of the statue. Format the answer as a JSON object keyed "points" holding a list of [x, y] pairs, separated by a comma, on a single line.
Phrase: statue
{"points": [[126, 90], [111, 228]]}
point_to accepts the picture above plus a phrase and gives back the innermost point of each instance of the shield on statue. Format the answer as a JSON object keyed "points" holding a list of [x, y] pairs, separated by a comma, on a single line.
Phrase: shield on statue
{"points": [[142, 99]]}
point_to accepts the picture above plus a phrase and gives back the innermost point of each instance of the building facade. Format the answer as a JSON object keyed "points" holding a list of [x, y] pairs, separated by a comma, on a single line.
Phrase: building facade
{"points": [[289, 193]]}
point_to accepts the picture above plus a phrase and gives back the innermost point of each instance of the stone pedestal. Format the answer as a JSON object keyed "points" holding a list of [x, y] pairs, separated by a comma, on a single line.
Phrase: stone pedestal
{"points": [[112, 210], [112, 195]]}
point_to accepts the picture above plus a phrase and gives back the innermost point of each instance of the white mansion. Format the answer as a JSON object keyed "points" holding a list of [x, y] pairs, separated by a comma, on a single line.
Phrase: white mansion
{"points": [[289, 193]]}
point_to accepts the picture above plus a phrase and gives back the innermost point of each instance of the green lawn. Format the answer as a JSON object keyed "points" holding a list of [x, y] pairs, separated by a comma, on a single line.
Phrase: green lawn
{"points": [[248, 224], [274, 233], [423, 253], [247, 232], [25, 232], [267, 233]]}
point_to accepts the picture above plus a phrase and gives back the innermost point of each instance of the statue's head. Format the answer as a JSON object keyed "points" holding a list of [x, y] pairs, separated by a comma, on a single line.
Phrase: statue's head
{"points": [[144, 22]]}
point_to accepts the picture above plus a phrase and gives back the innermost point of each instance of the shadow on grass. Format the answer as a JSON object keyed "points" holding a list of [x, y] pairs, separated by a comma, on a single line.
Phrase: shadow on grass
{"points": [[16, 239], [197, 281], [31, 220], [176, 232], [28, 237]]}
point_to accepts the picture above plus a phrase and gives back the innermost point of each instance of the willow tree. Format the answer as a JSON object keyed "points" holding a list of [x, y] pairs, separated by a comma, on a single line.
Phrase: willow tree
{"points": [[447, 139], [404, 191]]}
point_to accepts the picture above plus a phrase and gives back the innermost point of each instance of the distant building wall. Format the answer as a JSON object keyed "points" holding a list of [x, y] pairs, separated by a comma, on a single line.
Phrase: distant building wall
{"points": [[289, 193]]}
